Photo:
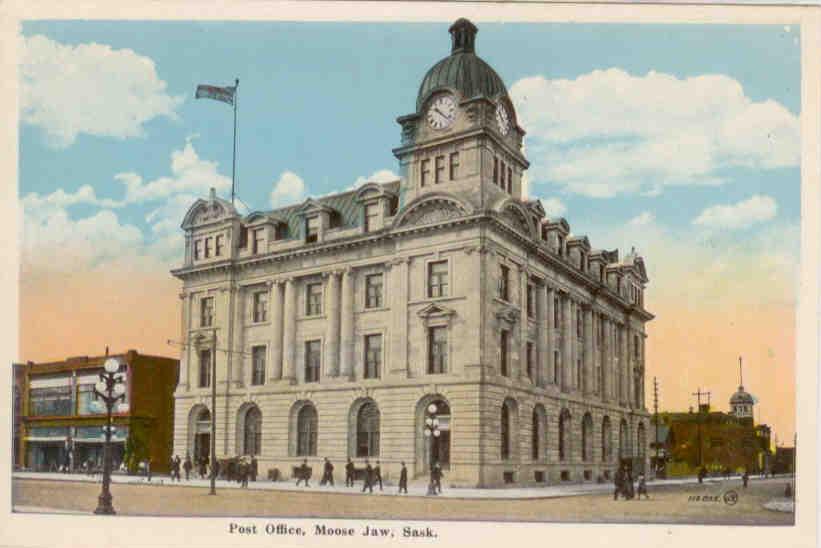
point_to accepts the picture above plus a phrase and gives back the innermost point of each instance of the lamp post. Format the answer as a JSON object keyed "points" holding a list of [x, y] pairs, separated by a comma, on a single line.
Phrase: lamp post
{"points": [[431, 431], [110, 389]]}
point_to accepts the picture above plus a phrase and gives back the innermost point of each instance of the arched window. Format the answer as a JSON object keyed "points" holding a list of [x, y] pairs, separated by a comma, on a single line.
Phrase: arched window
{"points": [[367, 430], [564, 434], [306, 431], [605, 439], [252, 439], [587, 437], [505, 424]]}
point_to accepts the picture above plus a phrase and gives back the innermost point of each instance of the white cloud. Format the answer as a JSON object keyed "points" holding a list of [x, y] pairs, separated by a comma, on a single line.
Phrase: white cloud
{"points": [[609, 132], [553, 207], [290, 188], [754, 210], [642, 219], [89, 88], [60, 199], [381, 176], [190, 174]]}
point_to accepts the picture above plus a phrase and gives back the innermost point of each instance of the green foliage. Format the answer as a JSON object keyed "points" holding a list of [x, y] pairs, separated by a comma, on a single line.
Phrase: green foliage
{"points": [[136, 446]]}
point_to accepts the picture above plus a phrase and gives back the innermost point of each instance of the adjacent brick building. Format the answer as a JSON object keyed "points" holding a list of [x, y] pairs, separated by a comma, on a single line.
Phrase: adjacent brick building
{"points": [[344, 322], [59, 413]]}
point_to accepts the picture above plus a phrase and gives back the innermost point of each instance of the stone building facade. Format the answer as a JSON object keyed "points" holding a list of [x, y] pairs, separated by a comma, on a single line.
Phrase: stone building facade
{"points": [[441, 317]]}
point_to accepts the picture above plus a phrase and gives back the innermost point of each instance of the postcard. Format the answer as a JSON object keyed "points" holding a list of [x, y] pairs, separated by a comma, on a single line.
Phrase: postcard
{"points": [[412, 273]]}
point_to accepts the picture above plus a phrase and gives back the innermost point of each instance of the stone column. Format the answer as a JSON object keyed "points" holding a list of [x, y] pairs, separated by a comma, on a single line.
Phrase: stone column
{"points": [[239, 361], [623, 365], [575, 382], [346, 325], [604, 389], [185, 329], [567, 342], [542, 335], [289, 332], [589, 368], [524, 325], [277, 317], [549, 328], [332, 326], [631, 368], [398, 356]]}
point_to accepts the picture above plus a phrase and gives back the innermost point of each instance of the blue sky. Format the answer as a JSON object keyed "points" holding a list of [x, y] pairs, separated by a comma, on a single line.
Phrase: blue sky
{"points": [[320, 99]]}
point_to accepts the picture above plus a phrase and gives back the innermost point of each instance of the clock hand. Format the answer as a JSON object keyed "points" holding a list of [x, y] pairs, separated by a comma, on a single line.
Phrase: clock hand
{"points": [[440, 112]]}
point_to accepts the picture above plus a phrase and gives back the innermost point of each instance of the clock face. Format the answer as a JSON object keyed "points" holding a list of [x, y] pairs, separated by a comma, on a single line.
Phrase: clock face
{"points": [[502, 119], [442, 112]]}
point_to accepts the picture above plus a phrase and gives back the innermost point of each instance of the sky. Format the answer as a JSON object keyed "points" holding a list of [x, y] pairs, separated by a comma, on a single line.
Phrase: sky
{"points": [[680, 140]]}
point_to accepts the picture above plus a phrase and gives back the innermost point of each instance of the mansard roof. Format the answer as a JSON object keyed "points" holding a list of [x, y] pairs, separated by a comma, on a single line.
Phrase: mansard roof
{"points": [[206, 211]]}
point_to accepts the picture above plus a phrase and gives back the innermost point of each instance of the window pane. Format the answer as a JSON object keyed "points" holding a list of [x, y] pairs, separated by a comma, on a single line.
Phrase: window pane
{"points": [[373, 291], [437, 350], [312, 361], [258, 365], [50, 401], [205, 368], [313, 300], [438, 279], [373, 356]]}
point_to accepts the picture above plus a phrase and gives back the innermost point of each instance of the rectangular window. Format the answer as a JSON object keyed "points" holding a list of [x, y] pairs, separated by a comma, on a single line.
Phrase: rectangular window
{"points": [[206, 311], [438, 279], [373, 356], [437, 350], [260, 306], [503, 352], [312, 229], [373, 291], [502, 175], [531, 301], [218, 246], [371, 213], [454, 166], [207, 247], [509, 180], [313, 359], [258, 365], [504, 282], [557, 365], [54, 401], [531, 361], [557, 311], [636, 347], [424, 172], [560, 251], [197, 249], [579, 321], [313, 299], [256, 242], [243, 237], [579, 373], [205, 368], [496, 171], [440, 169], [601, 273]]}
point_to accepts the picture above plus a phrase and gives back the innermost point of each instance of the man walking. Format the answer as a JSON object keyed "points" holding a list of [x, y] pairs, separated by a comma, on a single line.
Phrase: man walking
{"points": [[368, 477], [327, 473], [254, 468], [377, 474], [244, 472], [403, 479], [303, 473], [745, 478], [437, 478], [642, 488], [618, 482], [349, 468], [187, 465]]}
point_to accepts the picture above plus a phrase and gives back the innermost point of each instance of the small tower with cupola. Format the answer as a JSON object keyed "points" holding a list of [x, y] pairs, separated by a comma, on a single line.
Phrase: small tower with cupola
{"points": [[463, 139], [742, 402]]}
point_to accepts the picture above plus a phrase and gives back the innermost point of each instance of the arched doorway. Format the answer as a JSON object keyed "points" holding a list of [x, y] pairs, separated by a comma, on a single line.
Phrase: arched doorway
{"points": [[202, 434], [252, 432]]}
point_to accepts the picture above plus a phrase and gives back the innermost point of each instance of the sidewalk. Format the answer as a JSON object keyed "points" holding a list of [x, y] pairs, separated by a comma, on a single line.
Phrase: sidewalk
{"points": [[415, 488]]}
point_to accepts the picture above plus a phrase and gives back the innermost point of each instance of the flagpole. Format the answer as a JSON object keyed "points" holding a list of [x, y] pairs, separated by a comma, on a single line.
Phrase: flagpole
{"points": [[234, 161]]}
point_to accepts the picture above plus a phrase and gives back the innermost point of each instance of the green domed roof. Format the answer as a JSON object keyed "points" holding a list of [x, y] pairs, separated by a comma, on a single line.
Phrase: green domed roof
{"points": [[462, 70]]}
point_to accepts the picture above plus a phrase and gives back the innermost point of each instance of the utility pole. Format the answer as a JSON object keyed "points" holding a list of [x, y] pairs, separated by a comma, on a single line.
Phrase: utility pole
{"points": [[698, 393], [656, 413]]}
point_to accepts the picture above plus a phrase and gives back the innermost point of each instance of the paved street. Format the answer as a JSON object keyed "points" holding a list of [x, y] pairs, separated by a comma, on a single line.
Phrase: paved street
{"points": [[669, 503]]}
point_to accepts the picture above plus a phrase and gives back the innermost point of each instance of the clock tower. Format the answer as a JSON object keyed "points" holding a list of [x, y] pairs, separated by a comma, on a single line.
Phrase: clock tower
{"points": [[463, 139]]}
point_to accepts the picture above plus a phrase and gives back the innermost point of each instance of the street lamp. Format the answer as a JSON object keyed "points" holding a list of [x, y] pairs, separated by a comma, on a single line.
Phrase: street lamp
{"points": [[110, 389], [199, 341], [431, 430]]}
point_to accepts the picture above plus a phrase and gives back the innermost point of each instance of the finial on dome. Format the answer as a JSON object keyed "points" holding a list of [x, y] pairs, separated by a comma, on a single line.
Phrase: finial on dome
{"points": [[463, 36]]}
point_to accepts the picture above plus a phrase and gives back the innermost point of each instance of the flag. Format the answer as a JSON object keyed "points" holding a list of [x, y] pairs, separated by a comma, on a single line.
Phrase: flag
{"points": [[226, 94]]}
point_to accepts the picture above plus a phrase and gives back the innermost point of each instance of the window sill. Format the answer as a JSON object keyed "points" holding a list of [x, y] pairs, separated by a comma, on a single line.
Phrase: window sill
{"points": [[375, 309], [427, 300], [314, 317], [264, 322]]}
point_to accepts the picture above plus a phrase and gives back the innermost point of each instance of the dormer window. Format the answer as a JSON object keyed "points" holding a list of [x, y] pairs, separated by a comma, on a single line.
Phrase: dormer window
{"points": [[454, 166], [582, 261], [312, 229], [243, 237], [440, 169], [496, 171], [424, 172], [601, 273], [256, 240], [197, 249], [509, 180], [560, 251], [371, 214], [218, 245], [207, 247]]}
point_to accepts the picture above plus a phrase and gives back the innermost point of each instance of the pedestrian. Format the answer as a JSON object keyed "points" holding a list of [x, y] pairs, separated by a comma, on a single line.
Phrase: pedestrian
{"points": [[303, 473], [403, 479], [244, 472], [618, 482], [630, 493], [215, 468], [377, 474], [148, 468], [327, 473], [701, 473], [349, 469], [437, 477], [745, 478], [254, 468], [368, 477], [187, 465], [642, 488]]}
